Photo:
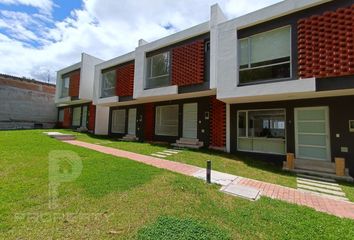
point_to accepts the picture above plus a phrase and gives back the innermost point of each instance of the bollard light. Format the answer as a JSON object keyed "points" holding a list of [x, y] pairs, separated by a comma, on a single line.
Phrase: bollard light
{"points": [[208, 172]]}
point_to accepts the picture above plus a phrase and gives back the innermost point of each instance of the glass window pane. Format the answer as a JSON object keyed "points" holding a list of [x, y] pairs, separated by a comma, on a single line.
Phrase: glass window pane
{"points": [[314, 140], [65, 87], [265, 73], [61, 115], [108, 86], [266, 123], [311, 114], [242, 124], [312, 127], [160, 64], [270, 45], [76, 116], [244, 53], [166, 121], [118, 121], [157, 72], [311, 152]]}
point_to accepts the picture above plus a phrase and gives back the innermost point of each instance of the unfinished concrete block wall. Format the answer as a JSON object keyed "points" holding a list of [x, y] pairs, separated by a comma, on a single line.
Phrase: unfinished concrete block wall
{"points": [[26, 104]]}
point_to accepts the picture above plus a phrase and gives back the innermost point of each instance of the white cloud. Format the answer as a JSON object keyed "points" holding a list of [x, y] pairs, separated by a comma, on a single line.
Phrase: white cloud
{"points": [[45, 6], [103, 28]]}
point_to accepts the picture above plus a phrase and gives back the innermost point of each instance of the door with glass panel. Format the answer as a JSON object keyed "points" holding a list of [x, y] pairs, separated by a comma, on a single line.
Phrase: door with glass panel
{"points": [[312, 133], [84, 117], [190, 120], [132, 121]]}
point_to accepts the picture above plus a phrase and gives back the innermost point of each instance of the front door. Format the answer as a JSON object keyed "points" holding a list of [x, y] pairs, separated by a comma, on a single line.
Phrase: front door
{"points": [[132, 121], [190, 120], [312, 133]]}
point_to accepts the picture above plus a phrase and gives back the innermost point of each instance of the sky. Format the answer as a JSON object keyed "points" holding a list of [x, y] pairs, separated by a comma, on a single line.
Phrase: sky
{"points": [[39, 37]]}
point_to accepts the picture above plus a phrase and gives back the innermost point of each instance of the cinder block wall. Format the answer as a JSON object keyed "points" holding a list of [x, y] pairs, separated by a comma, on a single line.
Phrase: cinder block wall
{"points": [[24, 103]]}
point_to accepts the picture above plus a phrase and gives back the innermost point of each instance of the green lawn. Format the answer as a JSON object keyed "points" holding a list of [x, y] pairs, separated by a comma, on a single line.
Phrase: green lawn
{"points": [[116, 198], [238, 165]]}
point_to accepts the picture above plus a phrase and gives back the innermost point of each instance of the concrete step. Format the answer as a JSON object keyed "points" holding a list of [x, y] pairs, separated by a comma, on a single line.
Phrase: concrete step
{"points": [[158, 155], [317, 181], [321, 190], [314, 178], [192, 146], [320, 185], [130, 138], [323, 175], [188, 141], [315, 165]]}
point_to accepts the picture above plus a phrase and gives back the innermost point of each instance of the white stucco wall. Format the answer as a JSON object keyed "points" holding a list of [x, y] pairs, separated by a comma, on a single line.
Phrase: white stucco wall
{"points": [[87, 76], [102, 120]]}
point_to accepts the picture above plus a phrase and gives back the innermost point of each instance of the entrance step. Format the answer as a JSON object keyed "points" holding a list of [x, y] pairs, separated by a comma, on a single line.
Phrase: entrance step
{"points": [[324, 175], [315, 165], [193, 143], [319, 184], [129, 138]]}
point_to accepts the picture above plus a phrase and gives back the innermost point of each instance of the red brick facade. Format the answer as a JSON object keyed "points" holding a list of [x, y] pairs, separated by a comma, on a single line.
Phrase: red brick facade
{"points": [[149, 121], [125, 80], [188, 64], [74, 86], [326, 44], [217, 123], [91, 117], [28, 84], [67, 118]]}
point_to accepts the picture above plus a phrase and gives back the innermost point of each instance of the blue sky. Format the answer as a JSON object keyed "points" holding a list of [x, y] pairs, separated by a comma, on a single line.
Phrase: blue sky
{"points": [[39, 37]]}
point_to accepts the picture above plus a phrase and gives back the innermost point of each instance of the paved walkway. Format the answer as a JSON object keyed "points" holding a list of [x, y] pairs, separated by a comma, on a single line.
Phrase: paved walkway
{"points": [[320, 203]]}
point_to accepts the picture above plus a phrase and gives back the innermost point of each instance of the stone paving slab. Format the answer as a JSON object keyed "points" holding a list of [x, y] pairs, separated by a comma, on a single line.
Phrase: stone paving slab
{"points": [[249, 193], [320, 203]]}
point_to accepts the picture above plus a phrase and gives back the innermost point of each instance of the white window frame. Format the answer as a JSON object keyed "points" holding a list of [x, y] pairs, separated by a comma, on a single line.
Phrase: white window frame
{"points": [[151, 66], [247, 133], [268, 65]]}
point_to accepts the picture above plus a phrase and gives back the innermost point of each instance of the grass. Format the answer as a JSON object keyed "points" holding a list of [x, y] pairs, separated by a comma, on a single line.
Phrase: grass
{"points": [[116, 198], [239, 165]]}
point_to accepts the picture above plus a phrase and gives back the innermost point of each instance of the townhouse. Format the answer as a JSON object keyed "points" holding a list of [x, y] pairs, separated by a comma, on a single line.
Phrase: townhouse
{"points": [[277, 84], [74, 94]]}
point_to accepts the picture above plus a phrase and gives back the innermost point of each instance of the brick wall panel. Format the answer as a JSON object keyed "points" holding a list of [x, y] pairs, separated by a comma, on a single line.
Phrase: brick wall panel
{"points": [[125, 80], [67, 118], [74, 84], [326, 44], [217, 123], [149, 117], [188, 64], [92, 117]]}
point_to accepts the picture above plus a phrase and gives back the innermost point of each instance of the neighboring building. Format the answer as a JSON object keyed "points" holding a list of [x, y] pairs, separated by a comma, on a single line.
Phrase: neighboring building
{"points": [[26, 103], [269, 83], [74, 93]]}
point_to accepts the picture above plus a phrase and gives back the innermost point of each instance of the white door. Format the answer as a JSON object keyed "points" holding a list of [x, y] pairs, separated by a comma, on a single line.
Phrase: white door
{"points": [[132, 121], [190, 120], [312, 133], [84, 117]]}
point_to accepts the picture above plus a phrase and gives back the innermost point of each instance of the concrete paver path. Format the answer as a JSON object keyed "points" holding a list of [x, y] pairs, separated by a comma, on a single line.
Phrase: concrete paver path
{"points": [[320, 203]]}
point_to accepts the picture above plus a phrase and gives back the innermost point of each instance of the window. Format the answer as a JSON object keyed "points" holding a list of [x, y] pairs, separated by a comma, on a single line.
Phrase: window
{"points": [[118, 121], [65, 87], [108, 85], [61, 115], [265, 56], [166, 120], [158, 70], [261, 131], [76, 116]]}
